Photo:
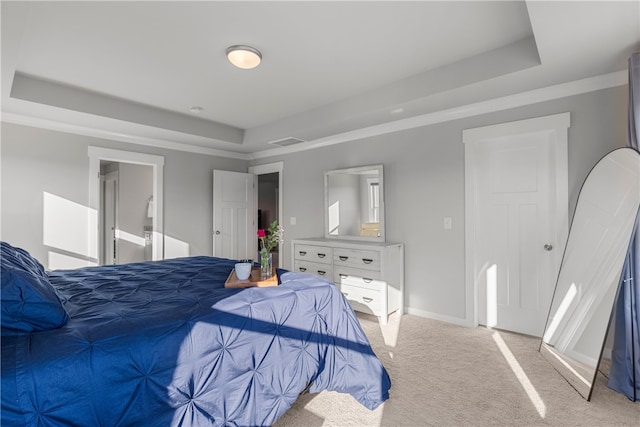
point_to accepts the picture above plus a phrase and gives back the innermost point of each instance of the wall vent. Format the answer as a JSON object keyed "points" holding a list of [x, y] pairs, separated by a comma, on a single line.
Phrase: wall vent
{"points": [[285, 142]]}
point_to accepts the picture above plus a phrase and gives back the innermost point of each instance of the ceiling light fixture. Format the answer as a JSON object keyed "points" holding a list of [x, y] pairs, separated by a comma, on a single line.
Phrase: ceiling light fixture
{"points": [[244, 57]]}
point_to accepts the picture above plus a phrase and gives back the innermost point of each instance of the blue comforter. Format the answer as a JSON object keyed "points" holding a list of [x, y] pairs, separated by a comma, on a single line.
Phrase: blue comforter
{"points": [[164, 343]]}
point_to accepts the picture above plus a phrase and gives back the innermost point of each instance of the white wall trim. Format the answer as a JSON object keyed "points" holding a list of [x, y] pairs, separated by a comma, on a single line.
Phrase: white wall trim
{"points": [[439, 317], [557, 125], [267, 168], [96, 154], [38, 122], [548, 93], [562, 90]]}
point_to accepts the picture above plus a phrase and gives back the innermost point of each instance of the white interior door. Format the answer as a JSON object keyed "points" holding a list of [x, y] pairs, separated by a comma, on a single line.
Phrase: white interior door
{"points": [[234, 230], [517, 238], [514, 199]]}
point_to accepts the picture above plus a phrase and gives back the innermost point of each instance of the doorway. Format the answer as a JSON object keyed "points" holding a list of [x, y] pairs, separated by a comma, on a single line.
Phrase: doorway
{"points": [[151, 205], [516, 220], [125, 213], [268, 196], [269, 202]]}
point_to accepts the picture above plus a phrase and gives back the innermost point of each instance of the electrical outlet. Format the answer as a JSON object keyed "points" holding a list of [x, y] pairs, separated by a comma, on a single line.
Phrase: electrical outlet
{"points": [[292, 220]]}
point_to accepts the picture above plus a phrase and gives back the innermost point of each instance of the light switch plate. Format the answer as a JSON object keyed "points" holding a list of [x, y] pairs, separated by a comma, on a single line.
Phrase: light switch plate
{"points": [[447, 223]]}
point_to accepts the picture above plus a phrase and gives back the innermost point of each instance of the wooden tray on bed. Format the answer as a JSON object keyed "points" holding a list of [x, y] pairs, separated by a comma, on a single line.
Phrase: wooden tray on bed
{"points": [[253, 280]]}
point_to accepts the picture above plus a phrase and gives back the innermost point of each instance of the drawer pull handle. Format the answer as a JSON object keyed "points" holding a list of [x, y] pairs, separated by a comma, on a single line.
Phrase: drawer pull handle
{"points": [[321, 255], [367, 260], [302, 253], [343, 276], [367, 299], [343, 258], [367, 280], [303, 269], [322, 273]]}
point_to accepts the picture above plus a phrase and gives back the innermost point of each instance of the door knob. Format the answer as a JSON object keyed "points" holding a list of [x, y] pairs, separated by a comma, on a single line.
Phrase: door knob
{"points": [[548, 247], [217, 231]]}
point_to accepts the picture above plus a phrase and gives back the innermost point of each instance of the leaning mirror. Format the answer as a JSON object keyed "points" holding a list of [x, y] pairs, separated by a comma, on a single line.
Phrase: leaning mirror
{"points": [[592, 263], [354, 203]]}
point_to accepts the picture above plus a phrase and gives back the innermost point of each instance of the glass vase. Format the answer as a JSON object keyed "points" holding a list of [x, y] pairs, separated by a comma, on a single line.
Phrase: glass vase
{"points": [[266, 265]]}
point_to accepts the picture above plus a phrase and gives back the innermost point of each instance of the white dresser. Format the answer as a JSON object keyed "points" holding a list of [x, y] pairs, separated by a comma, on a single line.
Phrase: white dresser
{"points": [[369, 275]]}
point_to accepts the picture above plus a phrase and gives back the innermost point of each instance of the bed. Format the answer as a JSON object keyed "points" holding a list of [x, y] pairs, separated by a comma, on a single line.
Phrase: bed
{"points": [[165, 343]]}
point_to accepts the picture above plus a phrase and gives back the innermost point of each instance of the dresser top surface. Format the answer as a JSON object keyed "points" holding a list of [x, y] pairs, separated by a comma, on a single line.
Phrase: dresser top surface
{"points": [[337, 243]]}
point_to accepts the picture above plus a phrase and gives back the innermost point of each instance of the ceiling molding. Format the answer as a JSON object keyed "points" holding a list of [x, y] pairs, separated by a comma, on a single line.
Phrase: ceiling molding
{"points": [[38, 122], [67, 97], [549, 93], [535, 96]]}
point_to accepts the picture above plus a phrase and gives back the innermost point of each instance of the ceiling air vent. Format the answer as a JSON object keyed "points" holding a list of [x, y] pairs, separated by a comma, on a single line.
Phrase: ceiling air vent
{"points": [[285, 142]]}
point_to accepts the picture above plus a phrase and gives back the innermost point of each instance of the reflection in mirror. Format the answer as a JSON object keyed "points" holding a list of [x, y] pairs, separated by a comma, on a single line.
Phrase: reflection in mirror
{"points": [[588, 280], [354, 203]]}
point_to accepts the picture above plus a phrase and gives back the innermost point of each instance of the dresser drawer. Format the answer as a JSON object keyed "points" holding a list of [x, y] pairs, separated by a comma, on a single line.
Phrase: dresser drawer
{"points": [[358, 277], [364, 300], [319, 269], [369, 260], [312, 253]]}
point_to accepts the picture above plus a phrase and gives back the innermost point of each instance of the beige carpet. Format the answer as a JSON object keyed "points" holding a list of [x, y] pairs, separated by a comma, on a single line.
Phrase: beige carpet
{"points": [[448, 375]]}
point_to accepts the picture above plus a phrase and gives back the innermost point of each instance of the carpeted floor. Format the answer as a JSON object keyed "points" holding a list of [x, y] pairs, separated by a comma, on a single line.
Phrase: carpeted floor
{"points": [[448, 375]]}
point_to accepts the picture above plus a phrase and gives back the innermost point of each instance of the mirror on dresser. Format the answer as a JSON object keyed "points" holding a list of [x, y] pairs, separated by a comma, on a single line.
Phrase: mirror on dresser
{"points": [[354, 204]]}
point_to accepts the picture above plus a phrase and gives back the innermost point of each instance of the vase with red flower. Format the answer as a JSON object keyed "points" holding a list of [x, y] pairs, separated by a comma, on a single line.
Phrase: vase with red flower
{"points": [[268, 240]]}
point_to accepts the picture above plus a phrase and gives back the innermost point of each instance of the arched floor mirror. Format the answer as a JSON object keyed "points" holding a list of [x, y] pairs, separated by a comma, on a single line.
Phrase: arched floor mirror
{"points": [[592, 263]]}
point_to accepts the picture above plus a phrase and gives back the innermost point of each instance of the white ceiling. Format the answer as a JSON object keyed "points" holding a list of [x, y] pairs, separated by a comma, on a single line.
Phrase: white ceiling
{"points": [[131, 70]]}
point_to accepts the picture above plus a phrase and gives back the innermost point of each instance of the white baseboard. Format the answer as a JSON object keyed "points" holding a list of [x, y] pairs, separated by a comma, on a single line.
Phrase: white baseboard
{"points": [[440, 317]]}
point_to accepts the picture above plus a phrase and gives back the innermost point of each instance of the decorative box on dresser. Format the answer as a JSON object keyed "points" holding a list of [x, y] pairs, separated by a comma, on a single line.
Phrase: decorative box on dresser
{"points": [[369, 274]]}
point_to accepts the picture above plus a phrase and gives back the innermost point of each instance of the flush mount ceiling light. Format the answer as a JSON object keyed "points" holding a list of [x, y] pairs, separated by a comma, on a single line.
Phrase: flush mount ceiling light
{"points": [[244, 57]]}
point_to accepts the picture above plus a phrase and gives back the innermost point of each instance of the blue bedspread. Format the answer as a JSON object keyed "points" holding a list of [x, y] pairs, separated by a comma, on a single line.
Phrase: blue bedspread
{"points": [[164, 343]]}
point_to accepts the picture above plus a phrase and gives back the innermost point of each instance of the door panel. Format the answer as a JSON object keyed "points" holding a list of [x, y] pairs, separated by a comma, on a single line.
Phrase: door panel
{"points": [[514, 196], [530, 252], [233, 215], [516, 207]]}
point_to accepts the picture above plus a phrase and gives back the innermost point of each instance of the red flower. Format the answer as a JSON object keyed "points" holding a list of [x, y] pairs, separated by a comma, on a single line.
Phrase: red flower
{"points": [[261, 233]]}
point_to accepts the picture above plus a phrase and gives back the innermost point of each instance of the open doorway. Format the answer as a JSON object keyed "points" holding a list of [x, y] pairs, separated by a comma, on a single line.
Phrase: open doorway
{"points": [[268, 196], [125, 213], [150, 207], [269, 202]]}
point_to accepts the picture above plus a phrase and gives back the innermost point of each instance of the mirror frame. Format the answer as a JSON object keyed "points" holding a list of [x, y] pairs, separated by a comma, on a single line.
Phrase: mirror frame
{"points": [[578, 374], [351, 171]]}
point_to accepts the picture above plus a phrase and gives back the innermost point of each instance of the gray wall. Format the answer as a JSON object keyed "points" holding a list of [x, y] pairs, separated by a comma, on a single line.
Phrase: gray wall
{"points": [[424, 182], [35, 161]]}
